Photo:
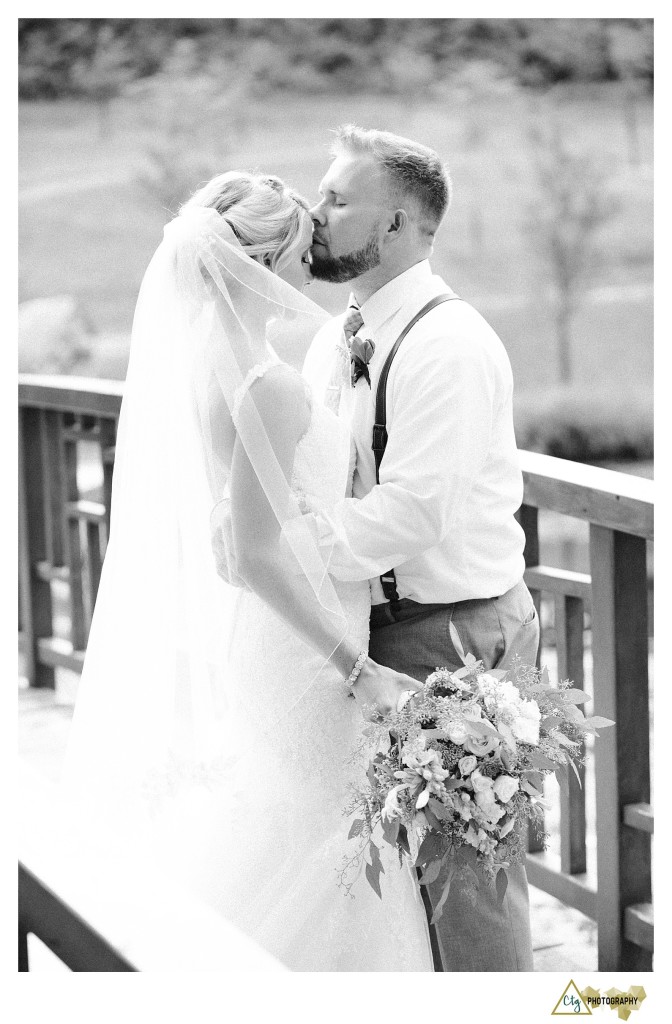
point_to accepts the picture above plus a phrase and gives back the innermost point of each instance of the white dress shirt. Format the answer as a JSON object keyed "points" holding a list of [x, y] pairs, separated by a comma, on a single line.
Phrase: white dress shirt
{"points": [[450, 481]]}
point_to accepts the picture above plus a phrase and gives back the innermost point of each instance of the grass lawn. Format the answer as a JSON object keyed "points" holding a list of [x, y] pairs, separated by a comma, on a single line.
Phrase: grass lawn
{"points": [[88, 230]]}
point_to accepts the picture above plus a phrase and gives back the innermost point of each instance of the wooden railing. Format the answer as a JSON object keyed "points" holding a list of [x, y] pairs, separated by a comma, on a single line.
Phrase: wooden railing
{"points": [[619, 510], [602, 615]]}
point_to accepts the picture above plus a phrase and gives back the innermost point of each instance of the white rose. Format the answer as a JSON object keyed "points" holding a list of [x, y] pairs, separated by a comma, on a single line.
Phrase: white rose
{"points": [[526, 725], [481, 745], [505, 786], [467, 764], [481, 783], [492, 810], [457, 732]]}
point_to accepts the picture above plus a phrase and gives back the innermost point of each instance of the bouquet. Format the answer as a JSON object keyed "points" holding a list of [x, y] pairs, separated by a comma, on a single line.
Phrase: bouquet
{"points": [[458, 770]]}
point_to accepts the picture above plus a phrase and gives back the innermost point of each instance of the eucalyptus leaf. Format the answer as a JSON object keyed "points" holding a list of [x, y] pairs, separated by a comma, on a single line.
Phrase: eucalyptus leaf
{"points": [[598, 722], [501, 884], [402, 840], [481, 728], [574, 696], [438, 909], [431, 872], [430, 847], [356, 828], [390, 831], [373, 878]]}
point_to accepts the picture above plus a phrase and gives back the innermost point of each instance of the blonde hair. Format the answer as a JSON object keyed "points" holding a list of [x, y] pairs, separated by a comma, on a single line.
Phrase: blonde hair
{"points": [[264, 214]]}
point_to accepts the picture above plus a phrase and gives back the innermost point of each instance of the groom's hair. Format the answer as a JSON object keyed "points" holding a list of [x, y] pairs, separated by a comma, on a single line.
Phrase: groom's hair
{"points": [[414, 171]]}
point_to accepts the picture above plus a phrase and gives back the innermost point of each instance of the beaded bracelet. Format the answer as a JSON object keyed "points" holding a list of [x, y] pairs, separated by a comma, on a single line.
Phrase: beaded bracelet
{"points": [[358, 666]]}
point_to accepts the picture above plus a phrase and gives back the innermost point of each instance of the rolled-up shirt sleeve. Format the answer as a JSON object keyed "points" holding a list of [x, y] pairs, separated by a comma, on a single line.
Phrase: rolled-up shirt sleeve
{"points": [[442, 393]]}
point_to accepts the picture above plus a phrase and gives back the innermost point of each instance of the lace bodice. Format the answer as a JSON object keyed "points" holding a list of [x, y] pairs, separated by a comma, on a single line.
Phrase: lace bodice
{"points": [[324, 463]]}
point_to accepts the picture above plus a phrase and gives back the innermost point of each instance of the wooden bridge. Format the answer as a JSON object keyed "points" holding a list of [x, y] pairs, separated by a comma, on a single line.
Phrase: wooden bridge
{"points": [[599, 624]]}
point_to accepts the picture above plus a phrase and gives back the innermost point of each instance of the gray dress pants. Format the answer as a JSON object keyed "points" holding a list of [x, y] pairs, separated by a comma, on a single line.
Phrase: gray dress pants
{"points": [[415, 639]]}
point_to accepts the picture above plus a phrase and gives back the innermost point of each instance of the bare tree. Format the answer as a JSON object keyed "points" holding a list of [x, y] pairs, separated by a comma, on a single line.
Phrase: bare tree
{"points": [[102, 76], [575, 200], [190, 115]]}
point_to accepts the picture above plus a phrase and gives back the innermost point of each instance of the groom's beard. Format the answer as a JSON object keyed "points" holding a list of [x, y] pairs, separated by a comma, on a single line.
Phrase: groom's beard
{"points": [[337, 269]]}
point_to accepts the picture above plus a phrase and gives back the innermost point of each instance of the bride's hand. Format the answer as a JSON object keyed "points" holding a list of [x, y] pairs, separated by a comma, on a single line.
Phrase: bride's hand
{"points": [[378, 689]]}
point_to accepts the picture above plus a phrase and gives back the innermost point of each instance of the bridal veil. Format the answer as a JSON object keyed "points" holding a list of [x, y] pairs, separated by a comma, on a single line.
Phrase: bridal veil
{"points": [[151, 718]]}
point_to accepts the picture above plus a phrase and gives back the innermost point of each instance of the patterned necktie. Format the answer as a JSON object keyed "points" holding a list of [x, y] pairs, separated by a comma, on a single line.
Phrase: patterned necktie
{"points": [[360, 350]]}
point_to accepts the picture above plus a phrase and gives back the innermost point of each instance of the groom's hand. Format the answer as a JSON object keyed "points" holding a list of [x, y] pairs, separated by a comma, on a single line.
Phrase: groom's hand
{"points": [[378, 689]]}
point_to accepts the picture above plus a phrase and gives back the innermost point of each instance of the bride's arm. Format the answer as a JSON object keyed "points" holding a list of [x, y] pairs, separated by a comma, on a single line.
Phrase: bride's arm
{"points": [[267, 567]]}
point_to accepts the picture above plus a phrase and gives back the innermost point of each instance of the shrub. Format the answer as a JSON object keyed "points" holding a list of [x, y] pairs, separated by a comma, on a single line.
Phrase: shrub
{"points": [[586, 425]]}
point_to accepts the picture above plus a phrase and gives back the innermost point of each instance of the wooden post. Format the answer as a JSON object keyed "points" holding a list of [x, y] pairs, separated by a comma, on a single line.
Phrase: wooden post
{"points": [[78, 631], [620, 659], [23, 949], [53, 484], [569, 639], [108, 433], [528, 517], [38, 606]]}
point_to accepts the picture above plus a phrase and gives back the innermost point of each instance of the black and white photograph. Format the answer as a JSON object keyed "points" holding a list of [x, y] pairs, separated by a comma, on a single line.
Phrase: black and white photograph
{"points": [[335, 528]]}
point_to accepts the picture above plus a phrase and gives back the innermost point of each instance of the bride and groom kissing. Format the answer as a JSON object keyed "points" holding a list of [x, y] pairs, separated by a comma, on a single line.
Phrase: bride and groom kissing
{"points": [[293, 567]]}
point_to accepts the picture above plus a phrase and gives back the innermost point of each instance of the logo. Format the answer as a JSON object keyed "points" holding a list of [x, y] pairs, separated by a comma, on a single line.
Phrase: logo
{"points": [[575, 1003], [571, 1003]]}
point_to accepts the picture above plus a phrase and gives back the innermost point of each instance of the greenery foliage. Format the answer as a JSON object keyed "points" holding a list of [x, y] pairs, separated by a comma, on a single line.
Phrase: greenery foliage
{"points": [[586, 424], [92, 56]]}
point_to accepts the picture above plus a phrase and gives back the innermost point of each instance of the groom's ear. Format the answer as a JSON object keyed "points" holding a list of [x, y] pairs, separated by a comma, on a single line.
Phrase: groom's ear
{"points": [[397, 225]]}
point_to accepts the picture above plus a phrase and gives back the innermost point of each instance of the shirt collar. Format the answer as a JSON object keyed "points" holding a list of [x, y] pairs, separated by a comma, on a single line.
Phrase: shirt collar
{"points": [[389, 299]]}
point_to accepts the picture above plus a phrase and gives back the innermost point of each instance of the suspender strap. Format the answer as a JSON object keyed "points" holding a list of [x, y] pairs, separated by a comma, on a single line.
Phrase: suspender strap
{"points": [[379, 444]]}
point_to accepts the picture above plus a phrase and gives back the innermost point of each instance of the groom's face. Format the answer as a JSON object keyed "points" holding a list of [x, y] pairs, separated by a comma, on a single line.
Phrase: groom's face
{"points": [[349, 219]]}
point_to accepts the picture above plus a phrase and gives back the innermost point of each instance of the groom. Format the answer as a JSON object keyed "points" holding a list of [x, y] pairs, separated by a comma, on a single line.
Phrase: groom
{"points": [[442, 514]]}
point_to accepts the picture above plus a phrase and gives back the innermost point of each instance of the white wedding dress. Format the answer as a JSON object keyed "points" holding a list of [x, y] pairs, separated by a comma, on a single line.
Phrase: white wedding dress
{"points": [[272, 864]]}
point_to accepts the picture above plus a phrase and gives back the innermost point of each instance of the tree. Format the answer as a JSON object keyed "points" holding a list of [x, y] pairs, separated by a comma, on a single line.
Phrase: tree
{"points": [[575, 199], [103, 75], [191, 114]]}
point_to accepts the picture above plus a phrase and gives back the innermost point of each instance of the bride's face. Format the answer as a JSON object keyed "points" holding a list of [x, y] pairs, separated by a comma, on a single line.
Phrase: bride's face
{"points": [[296, 271]]}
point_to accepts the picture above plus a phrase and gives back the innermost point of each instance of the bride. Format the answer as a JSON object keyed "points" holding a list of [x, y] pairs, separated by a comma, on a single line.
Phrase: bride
{"points": [[215, 725]]}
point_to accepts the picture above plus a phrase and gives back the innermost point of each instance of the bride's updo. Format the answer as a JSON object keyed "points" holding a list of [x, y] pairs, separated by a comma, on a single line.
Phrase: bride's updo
{"points": [[264, 214]]}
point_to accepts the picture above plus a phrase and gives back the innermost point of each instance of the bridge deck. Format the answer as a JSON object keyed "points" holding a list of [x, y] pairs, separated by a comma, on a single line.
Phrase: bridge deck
{"points": [[563, 939]]}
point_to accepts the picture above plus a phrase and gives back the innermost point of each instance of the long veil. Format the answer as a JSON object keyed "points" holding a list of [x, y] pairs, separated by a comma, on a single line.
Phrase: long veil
{"points": [[152, 717]]}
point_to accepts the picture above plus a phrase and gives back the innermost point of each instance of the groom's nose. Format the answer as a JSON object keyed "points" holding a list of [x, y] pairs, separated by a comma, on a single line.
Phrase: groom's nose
{"points": [[317, 214]]}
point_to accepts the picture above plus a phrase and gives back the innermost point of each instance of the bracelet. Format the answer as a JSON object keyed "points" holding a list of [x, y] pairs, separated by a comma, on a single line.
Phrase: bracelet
{"points": [[357, 668]]}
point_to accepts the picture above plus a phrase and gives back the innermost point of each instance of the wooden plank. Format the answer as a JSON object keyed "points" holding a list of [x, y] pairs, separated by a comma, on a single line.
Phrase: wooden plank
{"points": [[107, 440], [619, 501], [89, 396], [38, 606], [620, 672], [58, 653], [639, 816], [638, 925], [569, 639], [52, 474], [528, 517], [48, 572], [23, 949], [87, 511], [25, 612], [559, 581], [543, 871], [75, 552], [61, 928], [93, 550]]}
